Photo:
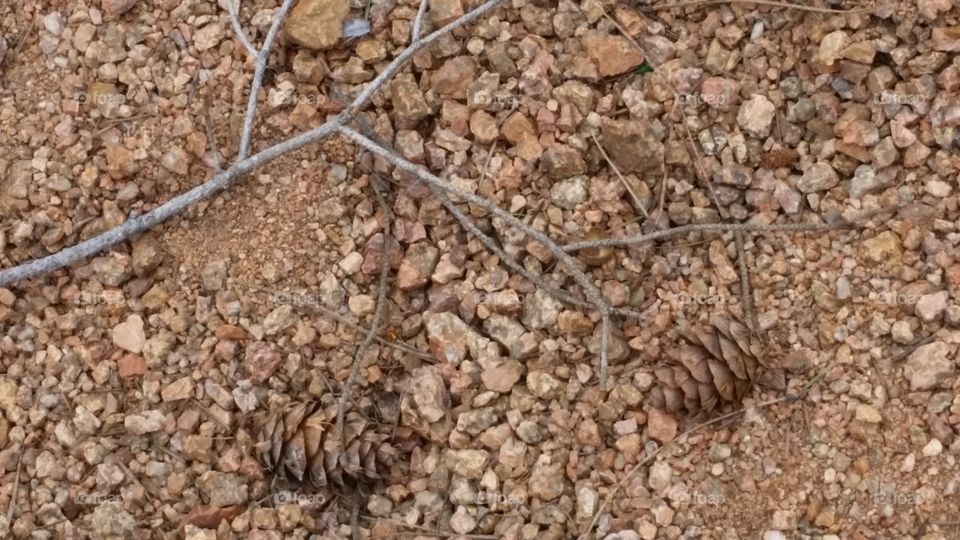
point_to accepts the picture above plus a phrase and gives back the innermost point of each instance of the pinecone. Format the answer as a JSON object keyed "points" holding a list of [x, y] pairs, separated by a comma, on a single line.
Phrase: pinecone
{"points": [[717, 364], [302, 442]]}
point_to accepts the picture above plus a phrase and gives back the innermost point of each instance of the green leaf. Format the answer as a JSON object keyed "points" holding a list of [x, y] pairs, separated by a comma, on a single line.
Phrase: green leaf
{"points": [[643, 68]]}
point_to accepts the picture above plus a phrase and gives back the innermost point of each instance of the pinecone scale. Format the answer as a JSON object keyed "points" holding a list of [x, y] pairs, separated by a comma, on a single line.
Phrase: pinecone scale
{"points": [[302, 442]]}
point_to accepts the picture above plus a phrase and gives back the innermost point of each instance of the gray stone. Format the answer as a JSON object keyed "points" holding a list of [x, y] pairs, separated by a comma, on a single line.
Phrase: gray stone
{"points": [[214, 275], [111, 521], [930, 366], [510, 334], [544, 385], [477, 420], [818, 177], [660, 476], [317, 24], [450, 338], [540, 310], [569, 193], [145, 422], [633, 145], [756, 115], [501, 376], [223, 489], [930, 307], [546, 479], [468, 463], [279, 320]]}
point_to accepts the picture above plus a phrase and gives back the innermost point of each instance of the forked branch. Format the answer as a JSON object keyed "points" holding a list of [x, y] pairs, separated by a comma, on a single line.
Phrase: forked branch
{"points": [[244, 163]]}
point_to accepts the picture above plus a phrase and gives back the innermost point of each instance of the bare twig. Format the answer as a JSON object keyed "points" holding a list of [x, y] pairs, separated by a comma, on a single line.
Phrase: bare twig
{"points": [[262, 56], [604, 348], [210, 414], [21, 41], [491, 244], [377, 313], [663, 188], [699, 227], [746, 291], [355, 513], [234, 10], [486, 162], [511, 263], [591, 291], [12, 506], [683, 436], [211, 136], [908, 350], [772, 3], [417, 30], [636, 200]]}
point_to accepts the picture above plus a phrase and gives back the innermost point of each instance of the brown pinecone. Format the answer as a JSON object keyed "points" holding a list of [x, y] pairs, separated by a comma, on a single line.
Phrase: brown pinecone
{"points": [[302, 442], [717, 364]]}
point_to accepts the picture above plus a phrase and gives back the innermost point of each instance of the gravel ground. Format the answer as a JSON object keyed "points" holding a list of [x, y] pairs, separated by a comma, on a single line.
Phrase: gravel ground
{"points": [[134, 384]]}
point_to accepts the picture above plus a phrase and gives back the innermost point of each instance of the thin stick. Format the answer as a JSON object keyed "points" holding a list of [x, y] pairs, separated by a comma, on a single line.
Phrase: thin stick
{"points": [[210, 414], [11, 507], [636, 200], [663, 188], [604, 349], [591, 291], [418, 21], [772, 3], [486, 162], [262, 56], [593, 294], [211, 136], [486, 240], [746, 291], [21, 40], [507, 260], [377, 313], [699, 227], [511, 263], [233, 7], [357, 503]]}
